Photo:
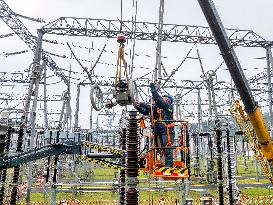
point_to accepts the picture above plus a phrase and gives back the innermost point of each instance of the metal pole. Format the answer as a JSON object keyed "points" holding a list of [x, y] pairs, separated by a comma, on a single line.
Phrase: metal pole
{"points": [[176, 108], [228, 53], [213, 98], [91, 118], [182, 187], [257, 170], [37, 76], [200, 129], [218, 142], [76, 125], [45, 98], [200, 118], [68, 106], [236, 72], [269, 68], [62, 112], [157, 75], [188, 159], [55, 172]]}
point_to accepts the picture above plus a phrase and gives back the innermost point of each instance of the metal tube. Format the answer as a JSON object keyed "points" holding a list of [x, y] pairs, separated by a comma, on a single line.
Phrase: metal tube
{"points": [[200, 119], [228, 53], [55, 172], [36, 73], [76, 125], [158, 75], [213, 100], [236, 72], [209, 101], [91, 118], [45, 98]]}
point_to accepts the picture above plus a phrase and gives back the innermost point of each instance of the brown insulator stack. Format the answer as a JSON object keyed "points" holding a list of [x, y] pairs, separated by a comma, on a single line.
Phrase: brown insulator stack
{"points": [[123, 163], [220, 166], [16, 171], [6, 152], [132, 160]]}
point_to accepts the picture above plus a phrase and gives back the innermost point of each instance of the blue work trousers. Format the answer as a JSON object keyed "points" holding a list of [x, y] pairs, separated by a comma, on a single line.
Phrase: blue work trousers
{"points": [[168, 152], [161, 131]]}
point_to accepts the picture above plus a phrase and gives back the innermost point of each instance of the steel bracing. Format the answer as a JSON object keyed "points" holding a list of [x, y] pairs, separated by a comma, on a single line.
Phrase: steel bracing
{"points": [[73, 26], [12, 20]]}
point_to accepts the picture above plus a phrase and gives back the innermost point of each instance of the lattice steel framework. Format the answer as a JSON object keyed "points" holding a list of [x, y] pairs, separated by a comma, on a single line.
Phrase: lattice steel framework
{"points": [[73, 26], [12, 20]]}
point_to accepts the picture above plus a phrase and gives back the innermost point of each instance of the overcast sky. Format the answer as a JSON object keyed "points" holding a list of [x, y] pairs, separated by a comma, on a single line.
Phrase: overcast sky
{"points": [[244, 14]]}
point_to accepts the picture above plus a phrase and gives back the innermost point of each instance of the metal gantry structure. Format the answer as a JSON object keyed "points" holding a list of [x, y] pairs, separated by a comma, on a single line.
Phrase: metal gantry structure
{"points": [[12, 20], [73, 26], [87, 27]]}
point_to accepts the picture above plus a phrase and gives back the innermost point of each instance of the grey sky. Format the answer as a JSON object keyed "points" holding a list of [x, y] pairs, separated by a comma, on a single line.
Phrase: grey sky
{"points": [[244, 14]]}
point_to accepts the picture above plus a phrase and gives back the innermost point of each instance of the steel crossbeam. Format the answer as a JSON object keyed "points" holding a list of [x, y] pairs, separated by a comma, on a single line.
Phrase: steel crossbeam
{"points": [[73, 26]]}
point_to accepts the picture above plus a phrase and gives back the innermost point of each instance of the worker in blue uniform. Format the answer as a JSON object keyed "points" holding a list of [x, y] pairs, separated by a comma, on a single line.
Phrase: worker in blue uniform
{"points": [[163, 121], [145, 109]]}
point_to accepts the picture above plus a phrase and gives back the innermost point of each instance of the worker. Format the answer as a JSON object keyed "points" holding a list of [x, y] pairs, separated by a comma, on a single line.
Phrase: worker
{"points": [[163, 117], [165, 125], [145, 109]]}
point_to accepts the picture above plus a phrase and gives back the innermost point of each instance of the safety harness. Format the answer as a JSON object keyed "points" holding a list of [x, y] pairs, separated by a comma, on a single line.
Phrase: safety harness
{"points": [[168, 126]]}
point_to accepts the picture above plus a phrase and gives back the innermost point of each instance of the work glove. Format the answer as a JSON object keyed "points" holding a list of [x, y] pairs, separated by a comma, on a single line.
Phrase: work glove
{"points": [[152, 86], [136, 104]]}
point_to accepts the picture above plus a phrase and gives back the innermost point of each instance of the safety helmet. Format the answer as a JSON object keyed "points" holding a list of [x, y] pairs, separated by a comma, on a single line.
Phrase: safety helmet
{"points": [[170, 97]]}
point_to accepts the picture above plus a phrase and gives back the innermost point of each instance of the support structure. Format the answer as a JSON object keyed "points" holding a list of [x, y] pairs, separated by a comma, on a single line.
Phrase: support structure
{"points": [[236, 72], [200, 117], [132, 165], [230, 169], [45, 99], [217, 127], [6, 153], [76, 116], [55, 172], [220, 166], [73, 26], [36, 76], [65, 116], [16, 170], [122, 178], [12, 20], [157, 73]]}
